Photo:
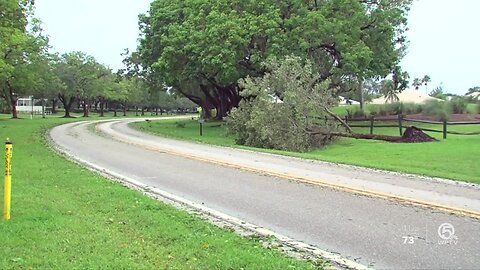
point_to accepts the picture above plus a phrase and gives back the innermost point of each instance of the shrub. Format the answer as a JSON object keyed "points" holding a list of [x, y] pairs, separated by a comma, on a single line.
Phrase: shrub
{"points": [[411, 108], [394, 108], [458, 105], [438, 109], [358, 113], [382, 111], [402, 108]]}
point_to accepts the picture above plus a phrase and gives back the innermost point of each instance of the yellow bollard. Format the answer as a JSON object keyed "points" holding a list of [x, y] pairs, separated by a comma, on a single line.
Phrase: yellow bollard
{"points": [[7, 192]]}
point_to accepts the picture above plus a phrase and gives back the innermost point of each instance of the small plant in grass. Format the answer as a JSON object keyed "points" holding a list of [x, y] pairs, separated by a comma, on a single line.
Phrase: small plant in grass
{"points": [[180, 124]]}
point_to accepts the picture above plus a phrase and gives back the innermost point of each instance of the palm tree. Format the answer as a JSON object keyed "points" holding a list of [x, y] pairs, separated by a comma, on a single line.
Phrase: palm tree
{"points": [[416, 83], [426, 79], [389, 91]]}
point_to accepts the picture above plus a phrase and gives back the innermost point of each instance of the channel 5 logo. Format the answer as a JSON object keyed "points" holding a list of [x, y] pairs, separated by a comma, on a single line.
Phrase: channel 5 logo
{"points": [[446, 232]]}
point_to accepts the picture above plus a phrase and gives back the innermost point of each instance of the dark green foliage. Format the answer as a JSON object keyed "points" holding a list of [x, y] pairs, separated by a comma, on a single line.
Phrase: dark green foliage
{"points": [[411, 108], [358, 113], [202, 48], [438, 109], [402, 108], [458, 105], [283, 105]]}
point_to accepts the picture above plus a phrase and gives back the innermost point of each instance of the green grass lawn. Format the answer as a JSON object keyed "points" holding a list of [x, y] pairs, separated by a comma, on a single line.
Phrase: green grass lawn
{"points": [[455, 158], [66, 217]]}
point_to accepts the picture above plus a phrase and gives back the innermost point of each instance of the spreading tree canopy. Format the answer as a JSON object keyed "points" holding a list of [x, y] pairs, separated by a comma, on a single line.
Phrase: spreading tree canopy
{"points": [[23, 51], [83, 78], [202, 48]]}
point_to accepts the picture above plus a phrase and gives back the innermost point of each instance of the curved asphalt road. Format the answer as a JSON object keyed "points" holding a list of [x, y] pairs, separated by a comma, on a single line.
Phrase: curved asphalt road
{"points": [[370, 230]]}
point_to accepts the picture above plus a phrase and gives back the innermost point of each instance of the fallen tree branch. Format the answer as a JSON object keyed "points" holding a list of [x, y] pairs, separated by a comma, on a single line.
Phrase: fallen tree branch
{"points": [[357, 135], [411, 135], [332, 114]]}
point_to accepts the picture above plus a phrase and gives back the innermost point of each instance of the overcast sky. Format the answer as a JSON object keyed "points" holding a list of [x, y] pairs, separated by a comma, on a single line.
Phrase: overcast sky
{"points": [[444, 35]]}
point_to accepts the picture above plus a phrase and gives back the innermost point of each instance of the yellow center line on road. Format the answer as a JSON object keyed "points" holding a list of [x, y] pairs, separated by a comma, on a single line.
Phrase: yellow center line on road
{"points": [[313, 181]]}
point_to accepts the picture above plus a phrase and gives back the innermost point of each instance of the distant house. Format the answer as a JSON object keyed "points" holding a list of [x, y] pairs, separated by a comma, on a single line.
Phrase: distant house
{"points": [[406, 96], [474, 95], [24, 105]]}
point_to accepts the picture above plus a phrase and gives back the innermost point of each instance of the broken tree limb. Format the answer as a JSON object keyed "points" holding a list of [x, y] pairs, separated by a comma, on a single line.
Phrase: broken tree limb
{"points": [[349, 129], [356, 135], [411, 135]]}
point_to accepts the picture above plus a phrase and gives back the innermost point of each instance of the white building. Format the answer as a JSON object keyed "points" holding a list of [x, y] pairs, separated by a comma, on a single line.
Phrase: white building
{"points": [[474, 95], [24, 105]]}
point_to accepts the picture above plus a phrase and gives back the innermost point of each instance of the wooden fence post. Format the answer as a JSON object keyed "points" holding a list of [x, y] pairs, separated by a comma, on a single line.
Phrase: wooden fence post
{"points": [[371, 124], [400, 125], [444, 129]]}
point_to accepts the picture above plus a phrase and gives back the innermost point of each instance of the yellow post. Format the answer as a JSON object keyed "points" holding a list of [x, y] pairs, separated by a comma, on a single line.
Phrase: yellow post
{"points": [[8, 181]]}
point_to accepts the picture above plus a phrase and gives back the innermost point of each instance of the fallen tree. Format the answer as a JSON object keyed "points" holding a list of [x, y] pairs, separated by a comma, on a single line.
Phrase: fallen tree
{"points": [[411, 135]]}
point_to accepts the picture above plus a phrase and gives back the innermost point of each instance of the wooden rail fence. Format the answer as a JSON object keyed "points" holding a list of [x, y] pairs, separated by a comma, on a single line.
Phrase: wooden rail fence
{"points": [[400, 120]]}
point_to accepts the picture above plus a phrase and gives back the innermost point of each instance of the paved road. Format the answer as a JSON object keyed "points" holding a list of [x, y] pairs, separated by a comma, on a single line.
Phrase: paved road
{"points": [[371, 230]]}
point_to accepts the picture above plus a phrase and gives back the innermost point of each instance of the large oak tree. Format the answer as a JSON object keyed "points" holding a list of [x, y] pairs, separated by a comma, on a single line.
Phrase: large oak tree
{"points": [[202, 48]]}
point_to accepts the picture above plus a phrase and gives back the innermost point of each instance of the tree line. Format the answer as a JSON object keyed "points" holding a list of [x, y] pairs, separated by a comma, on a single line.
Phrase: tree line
{"points": [[28, 68]]}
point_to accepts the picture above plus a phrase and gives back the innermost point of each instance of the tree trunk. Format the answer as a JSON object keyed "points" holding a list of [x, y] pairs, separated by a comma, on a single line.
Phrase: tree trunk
{"points": [[411, 135], [54, 105], [125, 109], [13, 100], [102, 108], [206, 113], [115, 107], [358, 135], [143, 111], [136, 110], [360, 89], [43, 108], [67, 104], [85, 108]]}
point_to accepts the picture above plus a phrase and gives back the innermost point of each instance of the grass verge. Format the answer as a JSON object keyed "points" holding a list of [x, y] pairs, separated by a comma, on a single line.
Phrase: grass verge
{"points": [[455, 158], [66, 217]]}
